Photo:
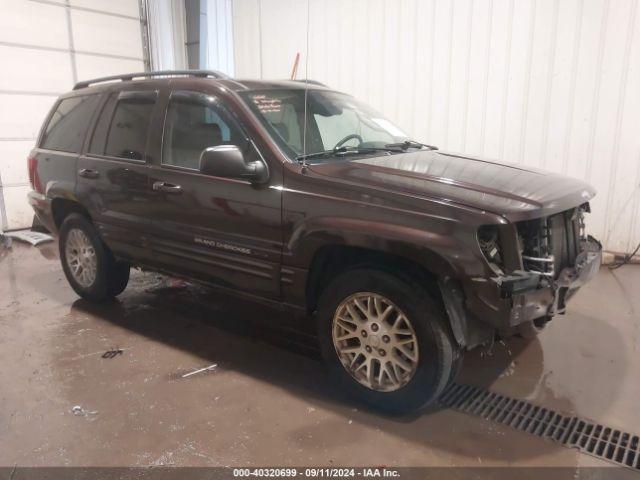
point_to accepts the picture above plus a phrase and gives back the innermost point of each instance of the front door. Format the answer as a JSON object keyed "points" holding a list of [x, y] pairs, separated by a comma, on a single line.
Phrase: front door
{"points": [[222, 230]]}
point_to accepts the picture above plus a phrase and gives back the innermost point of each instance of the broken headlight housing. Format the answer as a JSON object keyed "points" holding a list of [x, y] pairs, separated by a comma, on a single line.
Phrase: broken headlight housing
{"points": [[489, 242]]}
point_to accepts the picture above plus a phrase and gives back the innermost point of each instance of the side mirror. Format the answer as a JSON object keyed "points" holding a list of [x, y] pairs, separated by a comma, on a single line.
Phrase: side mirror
{"points": [[228, 161]]}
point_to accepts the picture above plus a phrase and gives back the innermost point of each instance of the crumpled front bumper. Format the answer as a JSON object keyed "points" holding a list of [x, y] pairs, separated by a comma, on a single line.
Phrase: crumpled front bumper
{"points": [[571, 279], [508, 301]]}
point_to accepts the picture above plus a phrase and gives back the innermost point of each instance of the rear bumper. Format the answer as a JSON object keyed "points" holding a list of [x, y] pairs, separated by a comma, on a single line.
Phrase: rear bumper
{"points": [[508, 301], [42, 207]]}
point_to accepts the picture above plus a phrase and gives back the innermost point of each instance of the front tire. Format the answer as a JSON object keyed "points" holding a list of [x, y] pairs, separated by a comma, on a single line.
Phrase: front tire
{"points": [[89, 266], [384, 340]]}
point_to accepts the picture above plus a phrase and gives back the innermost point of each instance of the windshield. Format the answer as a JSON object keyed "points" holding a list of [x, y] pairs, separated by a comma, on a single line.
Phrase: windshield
{"points": [[334, 120]]}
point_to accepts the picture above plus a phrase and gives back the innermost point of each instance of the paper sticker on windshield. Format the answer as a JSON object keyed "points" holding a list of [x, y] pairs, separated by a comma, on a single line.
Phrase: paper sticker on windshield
{"points": [[267, 104], [389, 127]]}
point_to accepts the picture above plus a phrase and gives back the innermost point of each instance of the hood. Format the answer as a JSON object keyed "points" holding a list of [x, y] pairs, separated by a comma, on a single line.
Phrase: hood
{"points": [[513, 191]]}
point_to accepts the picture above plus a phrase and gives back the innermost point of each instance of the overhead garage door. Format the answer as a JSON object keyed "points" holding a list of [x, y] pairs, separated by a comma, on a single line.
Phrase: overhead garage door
{"points": [[45, 47]]}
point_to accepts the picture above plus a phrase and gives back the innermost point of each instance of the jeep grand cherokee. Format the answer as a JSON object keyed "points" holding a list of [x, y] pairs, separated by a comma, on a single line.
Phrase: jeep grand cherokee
{"points": [[306, 200]]}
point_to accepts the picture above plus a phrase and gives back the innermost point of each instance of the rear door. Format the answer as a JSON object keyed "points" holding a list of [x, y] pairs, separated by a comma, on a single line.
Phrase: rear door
{"points": [[113, 171], [223, 230]]}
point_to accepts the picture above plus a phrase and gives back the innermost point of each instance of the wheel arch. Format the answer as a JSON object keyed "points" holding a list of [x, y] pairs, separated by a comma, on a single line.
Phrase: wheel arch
{"points": [[333, 259], [329, 246], [62, 207]]}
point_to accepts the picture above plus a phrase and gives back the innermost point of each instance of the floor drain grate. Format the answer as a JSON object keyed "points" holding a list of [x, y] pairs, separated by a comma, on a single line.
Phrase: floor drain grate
{"points": [[606, 443]]}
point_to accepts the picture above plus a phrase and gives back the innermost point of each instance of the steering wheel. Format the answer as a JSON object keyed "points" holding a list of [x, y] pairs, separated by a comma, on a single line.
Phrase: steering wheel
{"points": [[347, 138]]}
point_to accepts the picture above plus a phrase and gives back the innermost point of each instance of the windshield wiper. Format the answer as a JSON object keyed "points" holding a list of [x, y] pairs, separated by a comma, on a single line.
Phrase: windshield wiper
{"points": [[407, 144], [322, 153], [346, 151]]}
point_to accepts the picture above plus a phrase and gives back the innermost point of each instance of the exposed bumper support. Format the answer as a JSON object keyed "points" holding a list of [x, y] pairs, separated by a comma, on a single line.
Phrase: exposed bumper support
{"points": [[505, 302], [534, 296], [571, 279]]}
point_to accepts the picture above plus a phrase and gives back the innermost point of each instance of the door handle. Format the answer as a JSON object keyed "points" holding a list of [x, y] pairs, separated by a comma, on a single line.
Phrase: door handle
{"points": [[88, 173], [167, 187]]}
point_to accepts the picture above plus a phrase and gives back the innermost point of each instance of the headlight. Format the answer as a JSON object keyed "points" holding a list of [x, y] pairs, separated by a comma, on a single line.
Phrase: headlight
{"points": [[489, 241]]}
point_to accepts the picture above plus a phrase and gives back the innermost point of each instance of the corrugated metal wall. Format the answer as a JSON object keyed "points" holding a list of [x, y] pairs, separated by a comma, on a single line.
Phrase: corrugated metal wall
{"points": [[548, 83]]}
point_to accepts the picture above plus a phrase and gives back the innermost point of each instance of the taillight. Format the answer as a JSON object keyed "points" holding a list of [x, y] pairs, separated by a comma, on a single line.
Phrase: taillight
{"points": [[32, 165]]}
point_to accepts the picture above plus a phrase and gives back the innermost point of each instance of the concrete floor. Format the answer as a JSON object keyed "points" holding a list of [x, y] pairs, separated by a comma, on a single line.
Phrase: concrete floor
{"points": [[268, 402]]}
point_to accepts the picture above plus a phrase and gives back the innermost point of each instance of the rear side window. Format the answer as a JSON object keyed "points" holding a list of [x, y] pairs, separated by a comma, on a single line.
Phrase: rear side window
{"points": [[123, 126], [68, 124]]}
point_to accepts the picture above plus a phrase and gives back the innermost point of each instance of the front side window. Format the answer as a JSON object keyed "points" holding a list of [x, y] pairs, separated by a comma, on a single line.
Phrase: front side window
{"points": [[68, 124], [123, 126], [333, 120], [194, 123]]}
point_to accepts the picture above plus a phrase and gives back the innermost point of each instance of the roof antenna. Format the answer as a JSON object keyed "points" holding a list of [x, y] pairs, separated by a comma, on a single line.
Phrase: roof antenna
{"points": [[294, 70], [306, 92]]}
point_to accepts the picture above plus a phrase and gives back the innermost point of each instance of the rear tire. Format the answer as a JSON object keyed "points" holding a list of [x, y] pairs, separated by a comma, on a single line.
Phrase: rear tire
{"points": [[88, 264], [119, 278], [430, 353]]}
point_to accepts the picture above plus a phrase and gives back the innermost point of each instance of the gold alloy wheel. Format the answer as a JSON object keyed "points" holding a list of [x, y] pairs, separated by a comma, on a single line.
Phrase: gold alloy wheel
{"points": [[375, 341], [81, 257]]}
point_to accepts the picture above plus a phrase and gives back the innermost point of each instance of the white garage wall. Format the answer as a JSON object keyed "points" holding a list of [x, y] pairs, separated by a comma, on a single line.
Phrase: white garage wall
{"points": [[216, 35], [547, 83], [167, 35], [45, 47]]}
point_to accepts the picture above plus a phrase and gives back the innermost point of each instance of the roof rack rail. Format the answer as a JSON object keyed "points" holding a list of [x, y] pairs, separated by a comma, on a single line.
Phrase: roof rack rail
{"points": [[160, 73]]}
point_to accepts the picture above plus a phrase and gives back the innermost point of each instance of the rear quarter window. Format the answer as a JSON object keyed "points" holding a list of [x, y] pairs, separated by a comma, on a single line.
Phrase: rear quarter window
{"points": [[68, 124]]}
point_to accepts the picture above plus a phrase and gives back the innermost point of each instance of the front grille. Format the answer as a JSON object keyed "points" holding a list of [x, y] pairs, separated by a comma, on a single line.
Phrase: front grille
{"points": [[552, 243], [564, 238]]}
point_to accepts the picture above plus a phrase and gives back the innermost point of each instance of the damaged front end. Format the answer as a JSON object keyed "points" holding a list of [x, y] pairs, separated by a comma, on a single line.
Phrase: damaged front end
{"points": [[537, 265], [556, 255]]}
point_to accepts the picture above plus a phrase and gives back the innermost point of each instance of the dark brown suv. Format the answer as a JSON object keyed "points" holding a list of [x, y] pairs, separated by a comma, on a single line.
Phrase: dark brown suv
{"points": [[310, 202]]}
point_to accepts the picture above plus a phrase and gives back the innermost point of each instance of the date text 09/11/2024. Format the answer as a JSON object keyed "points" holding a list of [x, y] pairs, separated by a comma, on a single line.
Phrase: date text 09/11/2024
{"points": [[317, 472]]}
